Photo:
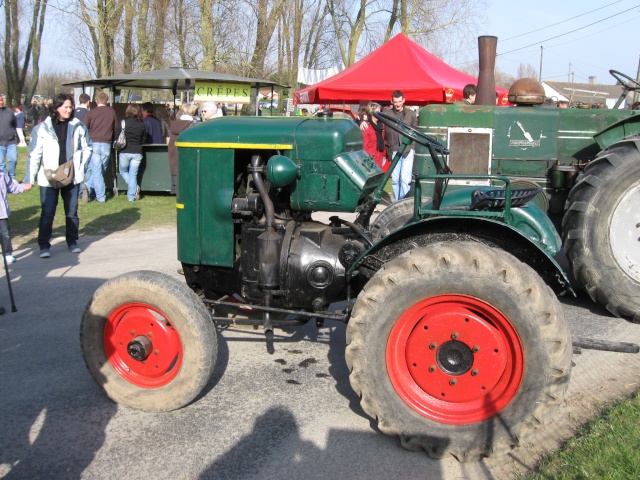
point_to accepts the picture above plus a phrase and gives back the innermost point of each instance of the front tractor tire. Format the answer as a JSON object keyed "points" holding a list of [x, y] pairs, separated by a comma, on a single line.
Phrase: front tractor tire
{"points": [[148, 341], [458, 349], [601, 229]]}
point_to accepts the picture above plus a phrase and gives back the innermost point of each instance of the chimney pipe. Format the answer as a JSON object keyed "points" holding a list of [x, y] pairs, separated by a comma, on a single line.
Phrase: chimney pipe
{"points": [[592, 80], [486, 91]]}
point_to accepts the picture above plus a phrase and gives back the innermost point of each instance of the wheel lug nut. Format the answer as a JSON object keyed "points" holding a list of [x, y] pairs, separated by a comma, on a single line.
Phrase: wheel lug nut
{"points": [[454, 335], [476, 349], [452, 382], [433, 345], [156, 352], [474, 372], [432, 368], [150, 334], [133, 332]]}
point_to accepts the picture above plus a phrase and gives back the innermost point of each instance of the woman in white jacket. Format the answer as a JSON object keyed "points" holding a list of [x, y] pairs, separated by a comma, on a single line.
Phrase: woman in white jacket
{"points": [[59, 138]]}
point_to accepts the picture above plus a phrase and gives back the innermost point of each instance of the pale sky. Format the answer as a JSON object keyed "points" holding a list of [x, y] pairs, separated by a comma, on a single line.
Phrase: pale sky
{"points": [[597, 45]]}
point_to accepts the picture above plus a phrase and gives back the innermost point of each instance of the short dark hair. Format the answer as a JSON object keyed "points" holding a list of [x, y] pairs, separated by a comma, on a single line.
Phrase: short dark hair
{"points": [[58, 101], [397, 94], [468, 90], [147, 107], [84, 98]]}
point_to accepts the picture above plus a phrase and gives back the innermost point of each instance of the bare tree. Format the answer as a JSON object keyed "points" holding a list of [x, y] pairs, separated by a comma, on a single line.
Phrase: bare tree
{"points": [[102, 19], [152, 16], [267, 13], [207, 37], [349, 20], [526, 70], [16, 64], [127, 41], [300, 35]]}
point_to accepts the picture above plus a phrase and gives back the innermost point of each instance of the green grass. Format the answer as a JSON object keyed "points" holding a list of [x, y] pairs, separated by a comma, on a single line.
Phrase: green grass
{"points": [[608, 447], [117, 214]]}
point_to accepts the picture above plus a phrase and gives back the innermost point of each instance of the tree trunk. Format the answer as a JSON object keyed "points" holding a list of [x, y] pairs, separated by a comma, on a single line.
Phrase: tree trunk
{"points": [[157, 49], [144, 59], [127, 46], [15, 74], [207, 36], [265, 27]]}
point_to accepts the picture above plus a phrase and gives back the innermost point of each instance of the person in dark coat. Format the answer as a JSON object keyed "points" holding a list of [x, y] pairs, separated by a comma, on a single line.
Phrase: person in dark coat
{"points": [[151, 124], [130, 157], [401, 176], [176, 128]]}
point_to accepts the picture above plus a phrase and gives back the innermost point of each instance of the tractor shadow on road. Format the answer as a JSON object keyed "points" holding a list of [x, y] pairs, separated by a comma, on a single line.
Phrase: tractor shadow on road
{"points": [[275, 448]]}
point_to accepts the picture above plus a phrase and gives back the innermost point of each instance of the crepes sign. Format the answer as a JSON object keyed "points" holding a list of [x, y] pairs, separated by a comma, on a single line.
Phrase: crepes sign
{"points": [[222, 92]]}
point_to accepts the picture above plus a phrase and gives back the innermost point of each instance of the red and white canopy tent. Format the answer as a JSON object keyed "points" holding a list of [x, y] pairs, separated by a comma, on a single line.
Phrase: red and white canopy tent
{"points": [[399, 64]]}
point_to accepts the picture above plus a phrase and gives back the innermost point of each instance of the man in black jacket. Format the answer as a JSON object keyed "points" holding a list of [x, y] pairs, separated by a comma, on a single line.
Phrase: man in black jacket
{"points": [[8, 140], [401, 176], [152, 125]]}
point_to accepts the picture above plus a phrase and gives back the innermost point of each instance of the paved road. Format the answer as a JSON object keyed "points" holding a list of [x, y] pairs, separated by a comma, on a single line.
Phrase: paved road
{"points": [[288, 415]]}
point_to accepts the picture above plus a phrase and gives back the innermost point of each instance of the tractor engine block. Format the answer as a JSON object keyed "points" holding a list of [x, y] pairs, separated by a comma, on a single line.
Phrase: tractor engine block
{"points": [[310, 272]]}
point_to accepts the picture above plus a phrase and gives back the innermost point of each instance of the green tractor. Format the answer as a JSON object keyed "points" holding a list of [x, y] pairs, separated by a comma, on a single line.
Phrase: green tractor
{"points": [[587, 162], [456, 341]]}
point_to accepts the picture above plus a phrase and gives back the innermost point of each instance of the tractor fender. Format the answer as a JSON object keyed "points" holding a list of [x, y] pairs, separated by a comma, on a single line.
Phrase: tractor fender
{"points": [[615, 132], [484, 230]]}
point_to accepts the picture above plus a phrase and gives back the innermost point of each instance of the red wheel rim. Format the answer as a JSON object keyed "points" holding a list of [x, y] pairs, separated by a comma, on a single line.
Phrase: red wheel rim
{"points": [[138, 323], [467, 334]]}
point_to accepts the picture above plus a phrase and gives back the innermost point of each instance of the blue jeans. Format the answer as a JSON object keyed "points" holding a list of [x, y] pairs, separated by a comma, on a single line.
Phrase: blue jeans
{"points": [[49, 202], [9, 152], [94, 174], [128, 164], [401, 176]]}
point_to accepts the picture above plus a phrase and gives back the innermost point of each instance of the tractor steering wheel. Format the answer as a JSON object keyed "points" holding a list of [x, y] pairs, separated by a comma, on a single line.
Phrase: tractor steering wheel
{"points": [[411, 132], [628, 83]]}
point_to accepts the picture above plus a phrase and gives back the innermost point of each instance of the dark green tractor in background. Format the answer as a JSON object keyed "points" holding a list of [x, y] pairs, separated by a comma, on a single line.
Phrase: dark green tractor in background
{"points": [[456, 341], [587, 162]]}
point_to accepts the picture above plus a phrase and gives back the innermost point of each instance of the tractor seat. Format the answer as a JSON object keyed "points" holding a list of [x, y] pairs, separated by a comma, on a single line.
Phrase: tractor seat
{"points": [[496, 198]]}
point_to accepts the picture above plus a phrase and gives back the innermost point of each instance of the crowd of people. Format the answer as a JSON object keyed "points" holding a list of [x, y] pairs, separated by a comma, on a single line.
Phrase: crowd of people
{"points": [[78, 140]]}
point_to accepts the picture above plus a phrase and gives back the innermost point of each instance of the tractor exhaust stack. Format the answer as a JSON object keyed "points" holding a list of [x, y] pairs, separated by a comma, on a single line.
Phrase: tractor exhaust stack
{"points": [[486, 91]]}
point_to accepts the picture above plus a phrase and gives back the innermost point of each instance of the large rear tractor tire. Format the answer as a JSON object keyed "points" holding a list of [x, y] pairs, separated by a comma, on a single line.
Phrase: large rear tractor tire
{"points": [[458, 349], [601, 229], [148, 341]]}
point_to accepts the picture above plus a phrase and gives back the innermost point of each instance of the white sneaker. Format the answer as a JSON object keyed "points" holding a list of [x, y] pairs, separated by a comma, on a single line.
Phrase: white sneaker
{"points": [[44, 253], [10, 259]]}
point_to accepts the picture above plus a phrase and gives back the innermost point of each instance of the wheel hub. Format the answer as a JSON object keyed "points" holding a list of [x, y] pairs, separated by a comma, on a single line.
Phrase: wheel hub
{"points": [[139, 348], [142, 345], [454, 358], [624, 233]]}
